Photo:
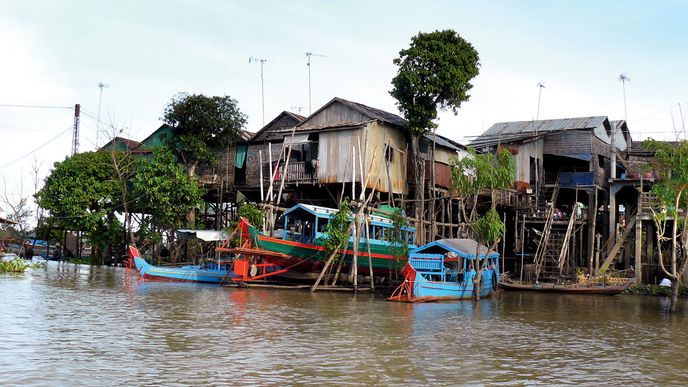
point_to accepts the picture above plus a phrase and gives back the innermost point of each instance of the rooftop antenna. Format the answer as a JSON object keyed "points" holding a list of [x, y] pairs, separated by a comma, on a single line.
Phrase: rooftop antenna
{"points": [[309, 55], [101, 86], [540, 86], [612, 173], [297, 108], [262, 88], [624, 78]]}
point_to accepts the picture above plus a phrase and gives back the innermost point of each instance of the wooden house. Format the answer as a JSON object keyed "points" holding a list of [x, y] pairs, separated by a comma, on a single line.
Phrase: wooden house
{"points": [[327, 150], [560, 163]]}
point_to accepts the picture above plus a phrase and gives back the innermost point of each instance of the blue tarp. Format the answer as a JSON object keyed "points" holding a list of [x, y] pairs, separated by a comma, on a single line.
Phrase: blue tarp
{"points": [[574, 179]]}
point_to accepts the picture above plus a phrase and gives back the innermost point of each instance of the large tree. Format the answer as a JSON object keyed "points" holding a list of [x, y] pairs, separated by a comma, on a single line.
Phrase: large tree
{"points": [[165, 192], [82, 194], [434, 72], [201, 124], [671, 163]]}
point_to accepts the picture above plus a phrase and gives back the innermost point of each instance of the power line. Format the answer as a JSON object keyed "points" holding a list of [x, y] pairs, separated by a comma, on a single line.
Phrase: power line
{"points": [[36, 149]]}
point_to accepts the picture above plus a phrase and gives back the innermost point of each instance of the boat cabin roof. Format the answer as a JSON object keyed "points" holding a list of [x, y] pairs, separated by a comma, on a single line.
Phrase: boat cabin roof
{"points": [[301, 210], [462, 247]]}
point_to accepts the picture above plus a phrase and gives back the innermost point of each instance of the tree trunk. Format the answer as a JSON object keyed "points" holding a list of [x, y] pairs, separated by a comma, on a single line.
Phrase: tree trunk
{"points": [[191, 215], [419, 192]]}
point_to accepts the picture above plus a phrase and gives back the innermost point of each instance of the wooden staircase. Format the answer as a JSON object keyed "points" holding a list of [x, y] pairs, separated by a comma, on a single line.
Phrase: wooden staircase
{"points": [[546, 245], [618, 246]]}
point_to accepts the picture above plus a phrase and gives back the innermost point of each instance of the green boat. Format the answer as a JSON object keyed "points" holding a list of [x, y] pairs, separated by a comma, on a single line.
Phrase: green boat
{"points": [[298, 245]]}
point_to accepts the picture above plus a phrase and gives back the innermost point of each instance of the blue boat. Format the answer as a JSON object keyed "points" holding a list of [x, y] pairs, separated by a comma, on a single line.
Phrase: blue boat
{"points": [[445, 269], [214, 272]]}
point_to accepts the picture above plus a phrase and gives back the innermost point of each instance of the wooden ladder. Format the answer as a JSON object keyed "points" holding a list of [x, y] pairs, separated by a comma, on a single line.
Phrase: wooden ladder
{"points": [[567, 239], [617, 246], [547, 230]]}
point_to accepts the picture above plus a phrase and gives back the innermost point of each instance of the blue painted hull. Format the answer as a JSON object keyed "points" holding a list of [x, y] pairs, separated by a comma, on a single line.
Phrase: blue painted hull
{"points": [[184, 273], [447, 290]]}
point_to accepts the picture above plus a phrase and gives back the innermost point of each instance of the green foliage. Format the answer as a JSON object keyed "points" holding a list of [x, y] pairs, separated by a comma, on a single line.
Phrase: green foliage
{"points": [[18, 265], [337, 231], [199, 123], [85, 260], [671, 163], [254, 215], [435, 70], [165, 191], [398, 242], [489, 227], [481, 171], [82, 193]]}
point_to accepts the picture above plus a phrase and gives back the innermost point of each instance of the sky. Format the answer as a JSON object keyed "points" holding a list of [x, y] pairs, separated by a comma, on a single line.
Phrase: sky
{"points": [[54, 53]]}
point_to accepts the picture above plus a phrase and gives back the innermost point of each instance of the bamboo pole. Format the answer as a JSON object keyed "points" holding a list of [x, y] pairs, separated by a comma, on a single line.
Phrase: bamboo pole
{"points": [[370, 256], [523, 240], [260, 160]]}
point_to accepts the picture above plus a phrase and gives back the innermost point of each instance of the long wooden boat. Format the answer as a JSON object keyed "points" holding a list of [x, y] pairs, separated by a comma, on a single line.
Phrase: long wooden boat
{"points": [[444, 270], [299, 245], [243, 268], [599, 289], [208, 273]]}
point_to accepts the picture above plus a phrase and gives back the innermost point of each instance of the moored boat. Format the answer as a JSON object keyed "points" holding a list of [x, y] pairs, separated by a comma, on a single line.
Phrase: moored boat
{"points": [[209, 273], [299, 246], [576, 288], [445, 270]]}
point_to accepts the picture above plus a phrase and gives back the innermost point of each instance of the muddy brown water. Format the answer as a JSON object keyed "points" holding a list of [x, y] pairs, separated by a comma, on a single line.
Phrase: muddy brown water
{"points": [[80, 325]]}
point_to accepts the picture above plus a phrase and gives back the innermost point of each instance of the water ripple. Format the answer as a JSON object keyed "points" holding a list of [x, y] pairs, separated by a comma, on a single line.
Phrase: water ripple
{"points": [[80, 325]]}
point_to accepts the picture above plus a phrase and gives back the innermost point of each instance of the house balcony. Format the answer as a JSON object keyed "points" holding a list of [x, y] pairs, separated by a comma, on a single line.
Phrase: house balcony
{"points": [[297, 172]]}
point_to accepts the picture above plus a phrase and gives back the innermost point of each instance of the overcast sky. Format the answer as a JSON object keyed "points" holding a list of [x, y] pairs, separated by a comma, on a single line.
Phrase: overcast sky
{"points": [[54, 53]]}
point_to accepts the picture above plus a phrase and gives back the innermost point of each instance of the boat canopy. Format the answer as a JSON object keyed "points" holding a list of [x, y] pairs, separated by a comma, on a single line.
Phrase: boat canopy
{"points": [[303, 210], [204, 235], [462, 247]]}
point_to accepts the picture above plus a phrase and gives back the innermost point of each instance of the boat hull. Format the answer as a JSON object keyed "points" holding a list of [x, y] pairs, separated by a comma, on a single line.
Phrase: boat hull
{"points": [[308, 258], [184, 273], [568, 289], [417, 288]]}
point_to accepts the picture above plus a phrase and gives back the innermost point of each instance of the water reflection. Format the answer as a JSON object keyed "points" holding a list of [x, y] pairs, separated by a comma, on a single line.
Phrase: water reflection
{"points": [[89, 325]]}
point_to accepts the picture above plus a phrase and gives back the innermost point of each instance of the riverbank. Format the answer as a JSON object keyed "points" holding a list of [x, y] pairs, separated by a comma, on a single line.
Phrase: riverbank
{"points": [[654, 290]]}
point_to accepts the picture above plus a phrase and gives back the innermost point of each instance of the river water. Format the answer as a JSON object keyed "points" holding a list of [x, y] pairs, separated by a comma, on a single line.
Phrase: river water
{"points": [[80, 325]]}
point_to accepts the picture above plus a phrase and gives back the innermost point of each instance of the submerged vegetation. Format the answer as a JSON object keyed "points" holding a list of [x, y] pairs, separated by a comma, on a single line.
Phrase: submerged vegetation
{"points": [[18, 265]]}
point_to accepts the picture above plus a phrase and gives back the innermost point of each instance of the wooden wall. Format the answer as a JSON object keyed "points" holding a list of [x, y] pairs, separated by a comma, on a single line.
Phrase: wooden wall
{"points": [[336, 113], [522, 159], [335, 156], [376, 135]]}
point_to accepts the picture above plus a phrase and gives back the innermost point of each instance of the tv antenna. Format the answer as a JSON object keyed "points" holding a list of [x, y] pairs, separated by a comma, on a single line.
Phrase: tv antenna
{"points": [[262, 88], [624, 78], [540, 86], [309, 55], [101, 86]]}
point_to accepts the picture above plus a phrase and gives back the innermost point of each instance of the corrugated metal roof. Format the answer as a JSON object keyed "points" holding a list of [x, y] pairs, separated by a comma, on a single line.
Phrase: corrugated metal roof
{"points": [[445, 142], [372, 112], [466, 248], [518, 130]]}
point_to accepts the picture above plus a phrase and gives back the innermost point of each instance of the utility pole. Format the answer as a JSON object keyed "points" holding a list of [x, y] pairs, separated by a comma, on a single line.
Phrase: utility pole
{"points": [[75, 134], [540, 86], [623, 78], [262, 89], [101, 86], [309, 55]]}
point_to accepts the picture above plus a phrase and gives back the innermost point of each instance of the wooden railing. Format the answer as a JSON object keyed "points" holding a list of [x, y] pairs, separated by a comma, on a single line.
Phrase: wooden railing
{"points": [[296, 172]]}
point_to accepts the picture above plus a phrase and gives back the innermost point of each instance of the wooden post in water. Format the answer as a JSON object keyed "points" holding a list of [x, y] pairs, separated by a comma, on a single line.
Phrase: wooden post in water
{"points": [[370, 257], [638, 248], [523, 240]]}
